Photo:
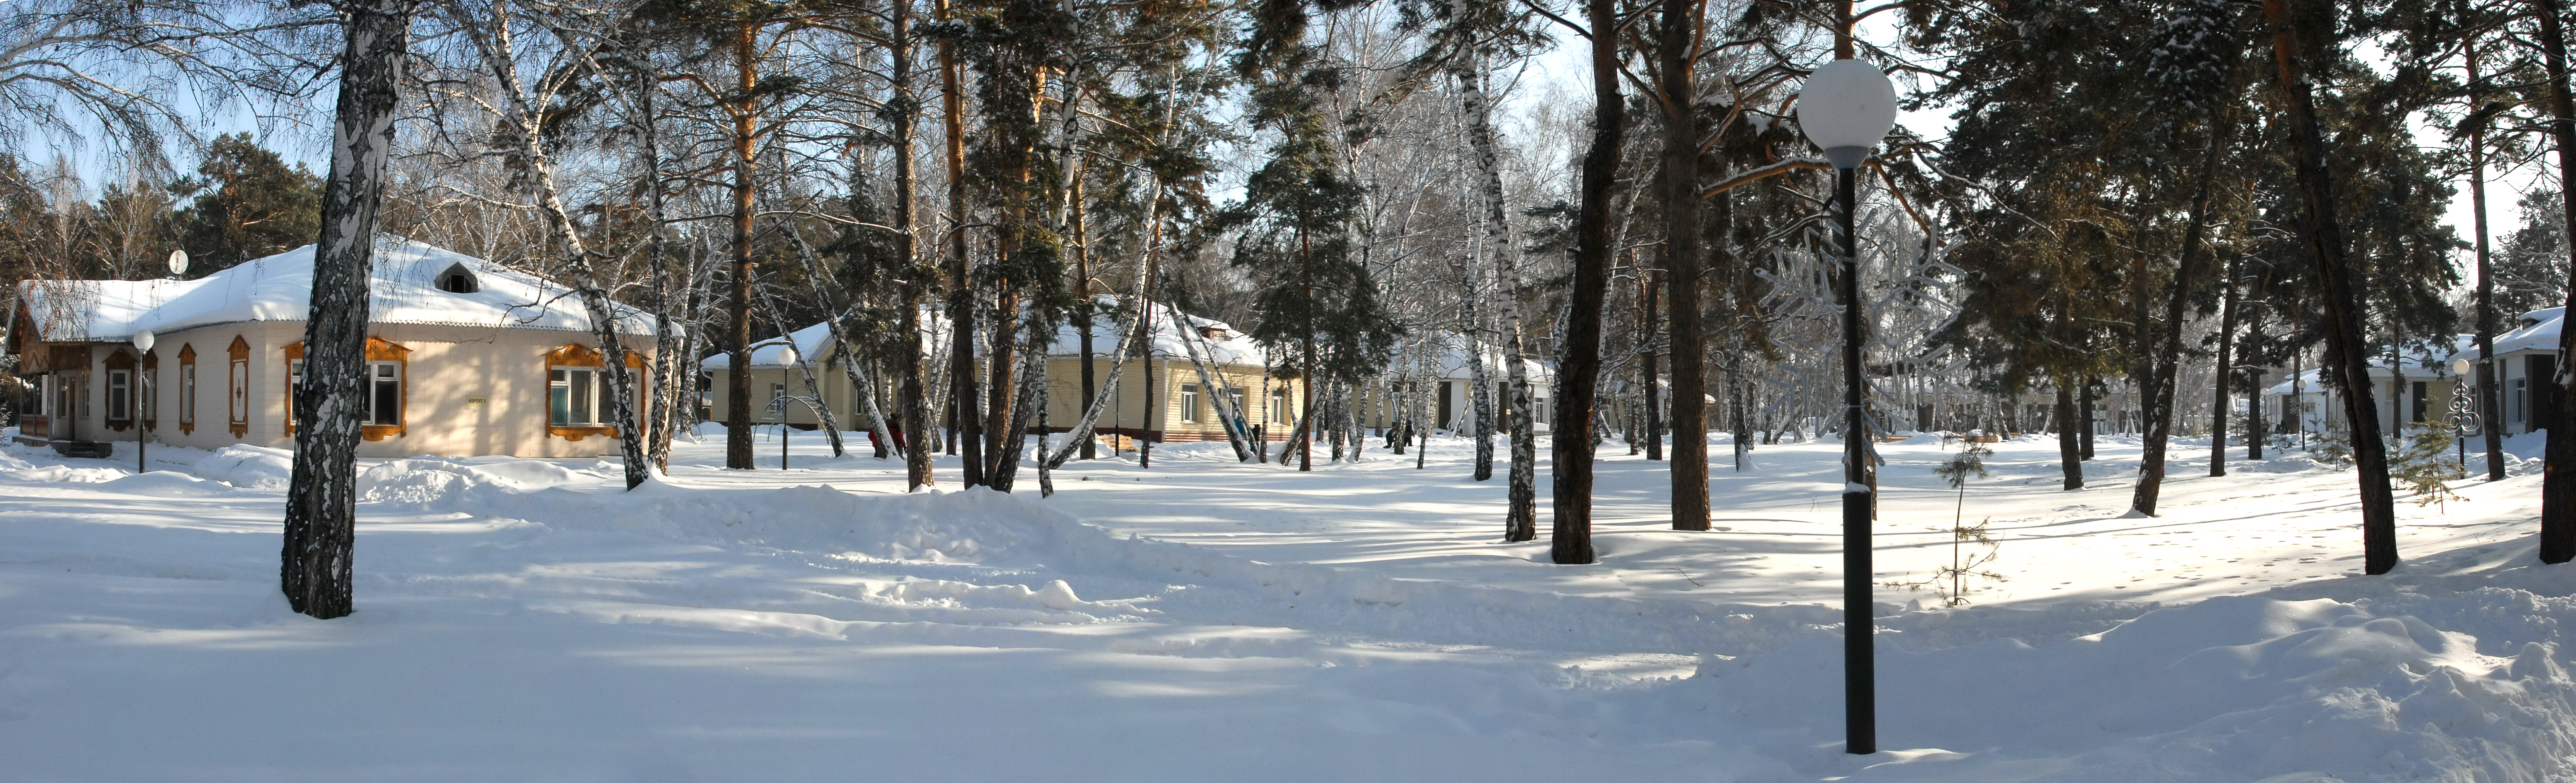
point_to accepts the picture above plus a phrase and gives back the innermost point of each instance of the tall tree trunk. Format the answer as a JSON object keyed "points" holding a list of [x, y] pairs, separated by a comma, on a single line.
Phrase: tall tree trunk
{"points": [[2070, 454], [1082, 312], [1677, 48], [962, 385], [1118, 355], [1579, 370], [2158, 407], [671, 364], [574, 256], [746, 127], [321, 527], [1647, 283], [2256, 428], [2084, 415], [1306, 366], [2558, 487], [1480, 383], [2490, 412], [2226, 367], [914, 400], [2345, 352], [1520, 518]]}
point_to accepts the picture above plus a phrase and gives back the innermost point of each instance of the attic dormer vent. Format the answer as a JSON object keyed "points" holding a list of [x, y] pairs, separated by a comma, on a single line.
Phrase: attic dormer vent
{"points": [[458, 280]]}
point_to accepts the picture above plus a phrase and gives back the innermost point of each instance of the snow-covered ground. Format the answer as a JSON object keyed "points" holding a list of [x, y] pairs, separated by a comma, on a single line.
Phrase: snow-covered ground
{"points": [[1209, 620]]}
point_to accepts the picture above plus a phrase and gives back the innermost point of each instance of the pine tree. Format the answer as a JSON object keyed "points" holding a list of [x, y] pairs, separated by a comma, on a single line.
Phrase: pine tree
{"points": [[245, 203]]}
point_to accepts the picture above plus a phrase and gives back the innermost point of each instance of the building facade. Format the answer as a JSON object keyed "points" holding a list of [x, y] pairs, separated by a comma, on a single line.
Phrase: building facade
{"points": [[464, 358]]}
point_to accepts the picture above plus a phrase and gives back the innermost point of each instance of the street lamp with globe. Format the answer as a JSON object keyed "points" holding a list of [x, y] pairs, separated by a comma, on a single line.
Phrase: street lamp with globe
{"points": [[2464, 409], [1846, 108], [143, 384]]}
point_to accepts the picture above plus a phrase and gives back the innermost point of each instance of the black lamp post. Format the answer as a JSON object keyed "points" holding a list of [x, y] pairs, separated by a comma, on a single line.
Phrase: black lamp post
{"points": [[142, 395], [1846, 108]]}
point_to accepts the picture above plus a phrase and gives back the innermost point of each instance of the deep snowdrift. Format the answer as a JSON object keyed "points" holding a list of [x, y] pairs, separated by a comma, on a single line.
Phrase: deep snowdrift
{"points": [[522, 619]]}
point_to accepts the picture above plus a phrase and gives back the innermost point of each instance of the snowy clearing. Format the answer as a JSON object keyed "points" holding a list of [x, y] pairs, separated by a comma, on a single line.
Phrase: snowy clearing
{"points": [[1207, 620]]}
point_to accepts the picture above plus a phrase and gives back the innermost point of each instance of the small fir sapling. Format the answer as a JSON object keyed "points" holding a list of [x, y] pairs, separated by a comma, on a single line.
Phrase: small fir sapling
{"points": [[2427, 466], [1971, 547], [2331, 448]]}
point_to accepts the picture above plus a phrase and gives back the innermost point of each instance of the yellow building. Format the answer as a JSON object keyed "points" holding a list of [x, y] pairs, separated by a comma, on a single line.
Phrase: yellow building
{"points": [[1183, 408], [464, 358]]}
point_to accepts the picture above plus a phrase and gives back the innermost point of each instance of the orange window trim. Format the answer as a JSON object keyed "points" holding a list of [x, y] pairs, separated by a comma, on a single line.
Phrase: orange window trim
{"points": [[187, 393], [576, 355], [237, 408], [378, 350]]}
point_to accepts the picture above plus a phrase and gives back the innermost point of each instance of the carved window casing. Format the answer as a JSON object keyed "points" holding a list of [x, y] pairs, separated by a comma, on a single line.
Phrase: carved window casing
{"points": [[187, 389], [120, 391], [577, 404], [387, 391], [150, 391], [237, 387]]}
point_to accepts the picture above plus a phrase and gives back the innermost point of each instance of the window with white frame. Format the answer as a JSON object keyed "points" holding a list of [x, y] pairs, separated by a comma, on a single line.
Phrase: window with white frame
{"points": [[188, 393], [572, 397], [384, 393], [294, 383], [1278, 413], [2521, 397], [1189, 402], [120, 393]]}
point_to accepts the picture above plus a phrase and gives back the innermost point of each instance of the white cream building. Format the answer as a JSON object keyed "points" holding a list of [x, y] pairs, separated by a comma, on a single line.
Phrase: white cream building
{"points": [[465, 358]]}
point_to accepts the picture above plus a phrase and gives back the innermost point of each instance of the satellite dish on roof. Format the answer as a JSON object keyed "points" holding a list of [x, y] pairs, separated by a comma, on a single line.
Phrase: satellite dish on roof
{"points": [[178, 263]]}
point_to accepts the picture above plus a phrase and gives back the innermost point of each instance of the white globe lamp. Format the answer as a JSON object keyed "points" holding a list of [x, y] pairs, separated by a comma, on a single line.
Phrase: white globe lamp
{"points": [[1846, 108]]}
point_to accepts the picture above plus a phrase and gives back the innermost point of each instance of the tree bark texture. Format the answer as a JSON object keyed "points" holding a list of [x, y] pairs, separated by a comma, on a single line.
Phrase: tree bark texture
{"points": [[1678, 51], [914, 400], [2226, 367], [2558, 485], [1579, 371], [2345, 352], [1520, 517], [322, 494], [2490, 414], [962, 385], [746, 127], [2159, 405]]}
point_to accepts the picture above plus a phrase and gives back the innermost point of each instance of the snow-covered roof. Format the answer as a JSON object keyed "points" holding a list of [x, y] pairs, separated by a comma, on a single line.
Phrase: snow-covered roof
{"points": [[2538, 331], [1450, 361], [280, 288], [2423, 366], [1215, 339]]}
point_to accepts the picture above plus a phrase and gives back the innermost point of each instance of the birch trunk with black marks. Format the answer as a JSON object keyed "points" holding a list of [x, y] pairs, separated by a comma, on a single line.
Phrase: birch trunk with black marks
{"points": [[520, 109], [1480, 387], [1228, 417], [1520, 519], [322, 494]]}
